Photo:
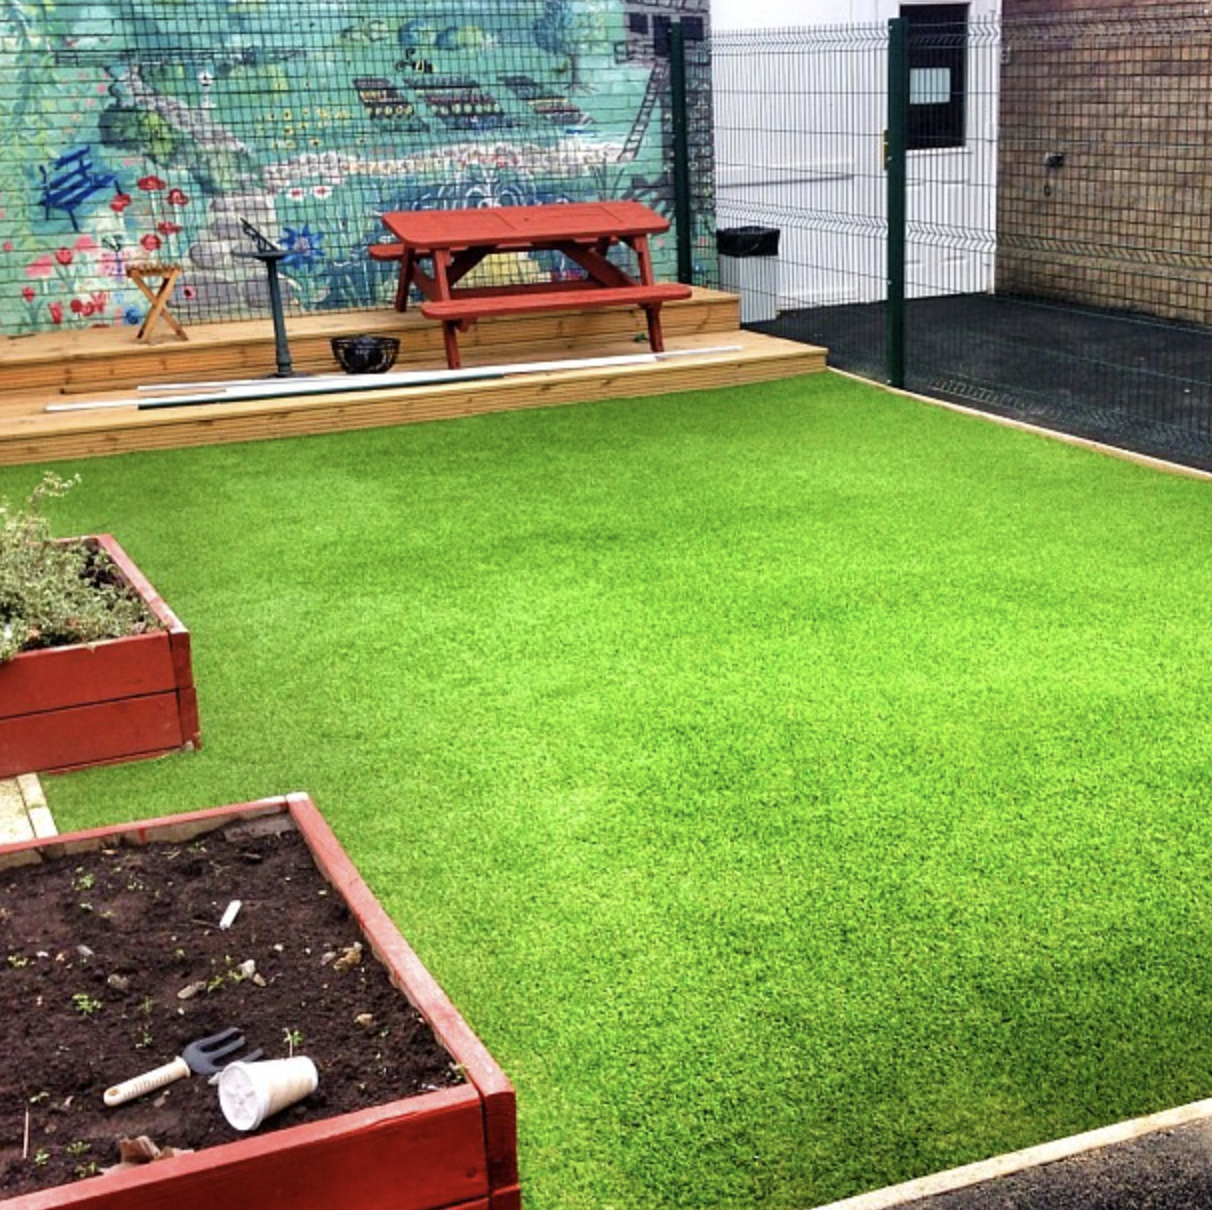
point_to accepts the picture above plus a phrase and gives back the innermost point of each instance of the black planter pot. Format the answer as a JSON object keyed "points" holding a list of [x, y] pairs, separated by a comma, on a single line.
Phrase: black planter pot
{"points": [[365, 354]]}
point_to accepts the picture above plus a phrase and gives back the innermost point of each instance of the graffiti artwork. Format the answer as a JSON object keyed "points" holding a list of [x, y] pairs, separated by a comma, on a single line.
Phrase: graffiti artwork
{"points": [[149, 127]]}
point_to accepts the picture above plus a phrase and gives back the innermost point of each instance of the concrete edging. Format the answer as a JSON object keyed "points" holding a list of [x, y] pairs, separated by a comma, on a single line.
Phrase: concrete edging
{"points": [[24, 814]]}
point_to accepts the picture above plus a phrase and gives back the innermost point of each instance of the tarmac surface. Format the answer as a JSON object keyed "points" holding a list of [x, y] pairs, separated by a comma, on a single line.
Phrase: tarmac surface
{"points": [[1163, 1162], [1126, 380], [1167, 1170]]}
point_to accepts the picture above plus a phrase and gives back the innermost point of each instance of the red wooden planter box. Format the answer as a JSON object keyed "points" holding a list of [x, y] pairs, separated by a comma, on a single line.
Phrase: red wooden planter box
{"points": [[120, 699], [455, 1149]]}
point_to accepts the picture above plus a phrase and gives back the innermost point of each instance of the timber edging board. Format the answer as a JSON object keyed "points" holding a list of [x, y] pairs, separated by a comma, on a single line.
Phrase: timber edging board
{"points": [[42, 438], [455, 1149], [98, 703]]}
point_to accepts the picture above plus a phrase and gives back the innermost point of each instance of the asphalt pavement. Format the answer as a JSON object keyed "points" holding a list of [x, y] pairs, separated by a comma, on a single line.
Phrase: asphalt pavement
{"points": [[1159, 1163]]}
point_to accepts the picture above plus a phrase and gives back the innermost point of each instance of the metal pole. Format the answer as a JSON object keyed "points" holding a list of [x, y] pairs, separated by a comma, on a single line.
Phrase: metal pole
{"points": [[281, 347], [680, 120], [895, 163], [269, 256]]}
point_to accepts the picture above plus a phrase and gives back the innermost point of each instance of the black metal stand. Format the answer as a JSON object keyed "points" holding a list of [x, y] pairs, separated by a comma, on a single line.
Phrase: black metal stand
{"points": [[269, 255]]}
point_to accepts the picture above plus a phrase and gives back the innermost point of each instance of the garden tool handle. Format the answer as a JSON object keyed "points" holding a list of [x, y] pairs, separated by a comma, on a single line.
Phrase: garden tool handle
{"points": [[149, 1081]]}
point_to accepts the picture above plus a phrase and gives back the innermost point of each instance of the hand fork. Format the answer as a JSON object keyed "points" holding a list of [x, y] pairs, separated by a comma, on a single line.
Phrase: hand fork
{"points": [[205, 1056]]}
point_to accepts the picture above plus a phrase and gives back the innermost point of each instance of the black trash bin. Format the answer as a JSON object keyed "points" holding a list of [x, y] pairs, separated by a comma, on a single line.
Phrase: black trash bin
{"points": [[749, 266]]}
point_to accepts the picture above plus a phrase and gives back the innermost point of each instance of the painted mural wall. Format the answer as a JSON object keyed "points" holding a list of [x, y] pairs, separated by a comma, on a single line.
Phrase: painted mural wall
{"points": [[153, 130]]}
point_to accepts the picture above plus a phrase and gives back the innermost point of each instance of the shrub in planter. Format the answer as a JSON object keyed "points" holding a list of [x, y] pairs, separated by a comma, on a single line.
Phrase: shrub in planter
{"points": [[449, 1148], [96, 668]]}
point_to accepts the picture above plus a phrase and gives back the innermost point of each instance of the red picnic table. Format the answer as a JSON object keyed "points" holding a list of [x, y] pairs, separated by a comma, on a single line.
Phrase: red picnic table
{"points": [[453, 242]]}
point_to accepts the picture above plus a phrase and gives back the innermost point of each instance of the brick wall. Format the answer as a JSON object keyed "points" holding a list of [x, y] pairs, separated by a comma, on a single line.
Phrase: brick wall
{"points": [[1124, 94]]}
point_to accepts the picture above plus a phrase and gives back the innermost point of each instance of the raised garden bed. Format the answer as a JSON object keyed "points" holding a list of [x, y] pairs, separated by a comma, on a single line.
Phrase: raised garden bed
{"points": [[90, 704], [451, 1145]]}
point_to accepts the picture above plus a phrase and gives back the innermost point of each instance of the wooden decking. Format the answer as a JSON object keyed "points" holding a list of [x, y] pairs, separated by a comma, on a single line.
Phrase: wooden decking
{"points": [[107, 363]]}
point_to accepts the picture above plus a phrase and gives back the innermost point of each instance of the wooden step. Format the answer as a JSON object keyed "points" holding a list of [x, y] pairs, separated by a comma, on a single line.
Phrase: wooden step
{"points": [[718, 355], [109, 358]]}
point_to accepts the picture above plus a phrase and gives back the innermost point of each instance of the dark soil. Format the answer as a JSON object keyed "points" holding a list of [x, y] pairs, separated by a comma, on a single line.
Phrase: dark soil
{"points": [[95, 951]]}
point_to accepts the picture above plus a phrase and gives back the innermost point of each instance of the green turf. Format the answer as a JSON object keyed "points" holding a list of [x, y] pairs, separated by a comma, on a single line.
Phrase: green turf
{"points": [[798, 788]]}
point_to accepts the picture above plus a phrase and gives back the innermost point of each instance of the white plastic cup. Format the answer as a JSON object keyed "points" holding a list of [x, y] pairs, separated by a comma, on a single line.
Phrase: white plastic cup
{"points": [[251, 1092]]}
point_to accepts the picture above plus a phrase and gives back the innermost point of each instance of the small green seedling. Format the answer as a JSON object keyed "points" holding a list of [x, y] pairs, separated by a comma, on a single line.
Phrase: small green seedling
{"points": [[77, 1150], [85, 1004], [83, 880]]}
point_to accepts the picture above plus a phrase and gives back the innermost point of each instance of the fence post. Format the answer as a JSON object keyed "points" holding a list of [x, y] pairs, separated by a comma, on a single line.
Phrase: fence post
{"points": [[895, 164], [680, 118]]}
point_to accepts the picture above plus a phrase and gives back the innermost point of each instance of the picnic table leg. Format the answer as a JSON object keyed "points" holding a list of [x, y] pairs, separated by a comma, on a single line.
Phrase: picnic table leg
{"points": [[450, 335], [656, 340], [643, 256], [406, 268]]}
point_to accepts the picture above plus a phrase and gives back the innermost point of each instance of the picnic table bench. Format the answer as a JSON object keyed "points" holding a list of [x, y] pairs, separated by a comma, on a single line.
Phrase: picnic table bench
{"points": [[453, 242]]}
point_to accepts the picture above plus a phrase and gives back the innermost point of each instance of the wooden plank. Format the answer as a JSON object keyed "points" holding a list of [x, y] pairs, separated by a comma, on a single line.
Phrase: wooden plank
{"points": [[411, 1155], [410, 975], [26, 435], [506, 225], [92, 357], [57, 677], [169, 828], [187, 710], [139, 582], [499, 300], [83, 735], [81, 441]]}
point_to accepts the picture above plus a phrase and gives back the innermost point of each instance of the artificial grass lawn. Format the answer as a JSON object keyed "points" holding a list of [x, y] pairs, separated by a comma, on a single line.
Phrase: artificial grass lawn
{"points": [[798, 788]]}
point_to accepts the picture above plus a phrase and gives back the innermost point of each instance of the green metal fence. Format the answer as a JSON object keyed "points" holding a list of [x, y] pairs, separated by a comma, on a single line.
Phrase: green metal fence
{"points": [[1032, 235]]}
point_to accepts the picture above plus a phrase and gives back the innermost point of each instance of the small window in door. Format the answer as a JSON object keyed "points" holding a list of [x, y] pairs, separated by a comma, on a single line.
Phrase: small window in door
{"points": [[938, 74]]}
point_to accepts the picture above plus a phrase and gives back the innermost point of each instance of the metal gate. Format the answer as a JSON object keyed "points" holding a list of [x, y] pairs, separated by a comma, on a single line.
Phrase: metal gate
{"points": [[1010, 214]]}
